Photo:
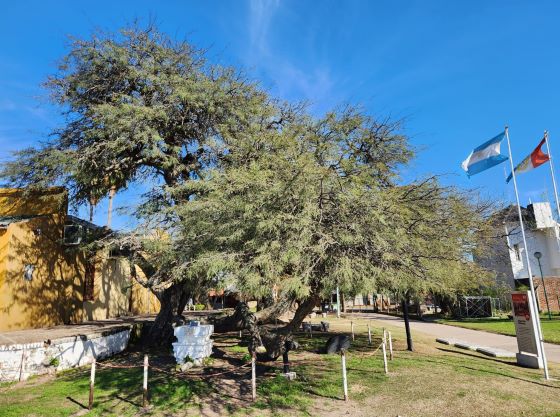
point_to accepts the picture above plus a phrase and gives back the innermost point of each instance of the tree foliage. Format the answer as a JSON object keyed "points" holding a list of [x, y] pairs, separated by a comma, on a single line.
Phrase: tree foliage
{"points": [[244, 188]]}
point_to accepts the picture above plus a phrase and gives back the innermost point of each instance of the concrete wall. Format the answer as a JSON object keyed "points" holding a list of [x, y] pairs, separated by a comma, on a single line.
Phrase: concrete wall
{"points": [[112, 289], [20, 361], [541, 240], [53, 295], [143, 301]]}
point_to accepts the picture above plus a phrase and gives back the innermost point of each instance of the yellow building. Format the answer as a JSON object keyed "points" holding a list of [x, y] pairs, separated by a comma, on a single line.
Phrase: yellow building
{"points": [[45, 278]]}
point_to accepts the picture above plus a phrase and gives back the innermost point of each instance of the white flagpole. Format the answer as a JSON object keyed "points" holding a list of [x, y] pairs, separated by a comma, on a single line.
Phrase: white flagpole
{"points": [[552, 173], [556, 232], [538, 335]]}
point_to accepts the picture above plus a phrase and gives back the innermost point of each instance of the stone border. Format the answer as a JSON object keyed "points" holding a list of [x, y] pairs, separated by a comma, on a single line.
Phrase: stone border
{"points": [[485, 350]]}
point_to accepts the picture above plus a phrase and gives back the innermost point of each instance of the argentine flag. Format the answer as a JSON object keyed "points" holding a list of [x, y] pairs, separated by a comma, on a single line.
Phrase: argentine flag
{"points": [[485, 156]]}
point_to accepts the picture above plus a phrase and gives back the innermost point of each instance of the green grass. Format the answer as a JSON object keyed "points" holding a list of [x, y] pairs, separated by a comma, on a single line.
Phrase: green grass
{"points": [[550, 328], [117, 392], [453, 382]]}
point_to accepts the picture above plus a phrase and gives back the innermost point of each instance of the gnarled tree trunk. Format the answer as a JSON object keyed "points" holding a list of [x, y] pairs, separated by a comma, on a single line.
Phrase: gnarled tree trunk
{"points": [[161, 331]]}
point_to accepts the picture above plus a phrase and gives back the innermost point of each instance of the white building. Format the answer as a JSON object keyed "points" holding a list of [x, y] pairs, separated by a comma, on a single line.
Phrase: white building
{"points": [[542, 235], [508, 259]]}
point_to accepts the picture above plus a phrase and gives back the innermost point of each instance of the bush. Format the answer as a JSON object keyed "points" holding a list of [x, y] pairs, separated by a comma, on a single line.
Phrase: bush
{"points": [[199, 307]]}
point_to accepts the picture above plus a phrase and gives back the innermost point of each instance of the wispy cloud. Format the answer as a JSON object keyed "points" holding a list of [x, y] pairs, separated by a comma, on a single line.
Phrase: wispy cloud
{"points": [[290, 80], [261, 14]]}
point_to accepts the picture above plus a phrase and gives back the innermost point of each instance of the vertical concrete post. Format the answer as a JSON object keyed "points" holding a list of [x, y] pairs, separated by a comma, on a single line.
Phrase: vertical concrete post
{"points": [[254, 376], [91, 384], [145, 383], [384, 353], [344, 378]]}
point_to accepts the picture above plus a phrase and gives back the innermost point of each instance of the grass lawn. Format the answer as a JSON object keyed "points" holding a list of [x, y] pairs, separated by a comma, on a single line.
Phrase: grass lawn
{"points": [[433, 380], [550, 328]]}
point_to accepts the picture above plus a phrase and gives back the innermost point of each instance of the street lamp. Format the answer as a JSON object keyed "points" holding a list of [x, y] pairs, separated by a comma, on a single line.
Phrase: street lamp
{"points": [[538, 255]]}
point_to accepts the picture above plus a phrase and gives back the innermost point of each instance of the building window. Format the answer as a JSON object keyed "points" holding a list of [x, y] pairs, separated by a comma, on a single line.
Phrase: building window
{"points": [[89, 281], [517, 252]]}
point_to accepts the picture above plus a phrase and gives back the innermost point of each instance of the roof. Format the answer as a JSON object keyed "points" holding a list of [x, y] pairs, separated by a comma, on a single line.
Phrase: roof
{"points": [[510, 214], [5, 221], [8, 220], [82, 222]]}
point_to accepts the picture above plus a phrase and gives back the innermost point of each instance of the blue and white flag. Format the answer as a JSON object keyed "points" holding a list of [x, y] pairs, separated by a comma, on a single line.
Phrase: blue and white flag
{"points": [[485, 156]]}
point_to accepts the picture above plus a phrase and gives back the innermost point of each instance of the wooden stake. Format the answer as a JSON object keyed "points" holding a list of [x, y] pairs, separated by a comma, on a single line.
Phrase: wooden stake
{"points": [[91, 383], [145, 384], [254, 376], [369, 333], [352, 328], [384, 355], [390, 346], [344, 378], [240, 335], [22, 364]]}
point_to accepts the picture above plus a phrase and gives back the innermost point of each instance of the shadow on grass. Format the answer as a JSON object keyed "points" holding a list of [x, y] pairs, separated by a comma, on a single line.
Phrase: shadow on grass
{"points": [[484, 370], [79, 404]]}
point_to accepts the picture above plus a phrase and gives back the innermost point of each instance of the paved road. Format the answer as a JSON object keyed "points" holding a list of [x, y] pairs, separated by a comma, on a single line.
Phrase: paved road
{"points": [[475, 337]]}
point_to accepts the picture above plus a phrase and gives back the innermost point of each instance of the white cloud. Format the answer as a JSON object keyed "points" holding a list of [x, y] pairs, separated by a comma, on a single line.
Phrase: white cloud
{"points": [[291, 80]]}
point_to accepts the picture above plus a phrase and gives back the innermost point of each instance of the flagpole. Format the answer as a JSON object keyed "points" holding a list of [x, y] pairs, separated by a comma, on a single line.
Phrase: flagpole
{"points": [[552, 173], [531, 286]]}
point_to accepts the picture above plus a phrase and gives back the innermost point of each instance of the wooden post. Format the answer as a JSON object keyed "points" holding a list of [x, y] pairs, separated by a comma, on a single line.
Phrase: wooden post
{"points": [[91, 383], [254, 375], [369, 333], [22, 364], [384, 354], [344, 378], [145, 384], [240, 335], [352, 328], [390, 346]]}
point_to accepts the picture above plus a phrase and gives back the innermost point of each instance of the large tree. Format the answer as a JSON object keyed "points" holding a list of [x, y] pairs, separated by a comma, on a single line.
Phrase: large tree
{"points": [[140, 107], [243, 187], [322, 207]]}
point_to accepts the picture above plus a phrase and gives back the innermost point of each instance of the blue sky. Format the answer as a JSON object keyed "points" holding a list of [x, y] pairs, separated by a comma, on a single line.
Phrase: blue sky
{"points": [[458, 71]]}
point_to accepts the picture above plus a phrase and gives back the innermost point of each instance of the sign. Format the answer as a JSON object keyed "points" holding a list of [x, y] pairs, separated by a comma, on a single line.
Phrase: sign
{"points": [[524, 322]]}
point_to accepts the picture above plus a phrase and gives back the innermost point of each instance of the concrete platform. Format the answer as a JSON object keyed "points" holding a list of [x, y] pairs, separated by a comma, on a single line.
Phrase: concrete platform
{"points": [[87, 330], [485, 350]]}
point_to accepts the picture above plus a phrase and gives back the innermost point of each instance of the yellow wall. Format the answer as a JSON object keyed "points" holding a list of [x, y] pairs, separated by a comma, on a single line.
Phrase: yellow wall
{"points": [[18, 202], [54, 295], [112, 289], [143, 301]]}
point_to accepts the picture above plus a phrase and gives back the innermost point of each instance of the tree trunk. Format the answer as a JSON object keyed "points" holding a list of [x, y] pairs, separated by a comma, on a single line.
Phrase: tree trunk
{"points": [[409, 345], [161, 331], [237, 320], [277, 343], [301, 313], [269, 314]]}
